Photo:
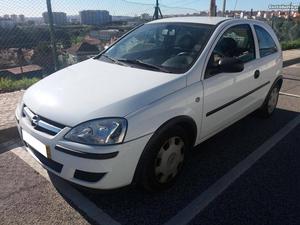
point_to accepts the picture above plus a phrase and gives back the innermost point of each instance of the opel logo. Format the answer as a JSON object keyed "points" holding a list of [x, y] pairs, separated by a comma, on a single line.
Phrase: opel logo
{"points": [[35, 120]]}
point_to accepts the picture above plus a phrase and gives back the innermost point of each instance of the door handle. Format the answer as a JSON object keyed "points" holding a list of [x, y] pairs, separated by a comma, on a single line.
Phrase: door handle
{"points": [[256, 74]]}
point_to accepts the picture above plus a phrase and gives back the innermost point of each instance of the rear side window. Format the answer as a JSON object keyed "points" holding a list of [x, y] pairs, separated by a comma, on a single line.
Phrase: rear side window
{"points": [[266, 43]]}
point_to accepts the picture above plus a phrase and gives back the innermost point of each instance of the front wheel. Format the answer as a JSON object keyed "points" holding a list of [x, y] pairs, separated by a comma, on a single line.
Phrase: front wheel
{"points": [[164, 159], [270, 103]]}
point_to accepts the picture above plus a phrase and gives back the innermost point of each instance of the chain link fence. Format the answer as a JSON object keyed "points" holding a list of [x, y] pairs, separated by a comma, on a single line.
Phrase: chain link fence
{"points": [[81, 30]]}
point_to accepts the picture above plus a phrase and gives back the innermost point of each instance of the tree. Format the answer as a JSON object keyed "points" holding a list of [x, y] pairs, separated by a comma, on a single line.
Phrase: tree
{"points": [[43, 57], [63, 37]]}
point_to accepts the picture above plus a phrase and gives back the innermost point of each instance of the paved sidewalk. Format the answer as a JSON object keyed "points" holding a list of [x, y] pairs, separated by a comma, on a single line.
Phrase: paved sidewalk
{"points": [[291, 54], [28, 198], [8, 103]]}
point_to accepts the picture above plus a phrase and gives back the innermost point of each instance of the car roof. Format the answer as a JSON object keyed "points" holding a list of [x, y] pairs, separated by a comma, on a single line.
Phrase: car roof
{"points": [[192, 19]]}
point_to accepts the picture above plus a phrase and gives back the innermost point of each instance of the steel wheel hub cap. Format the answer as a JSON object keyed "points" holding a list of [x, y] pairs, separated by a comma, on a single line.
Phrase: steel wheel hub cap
{"points": [[169, 159]]}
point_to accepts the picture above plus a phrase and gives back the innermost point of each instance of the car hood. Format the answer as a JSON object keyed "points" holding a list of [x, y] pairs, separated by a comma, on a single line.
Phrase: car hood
{"points": [[94, 89]]}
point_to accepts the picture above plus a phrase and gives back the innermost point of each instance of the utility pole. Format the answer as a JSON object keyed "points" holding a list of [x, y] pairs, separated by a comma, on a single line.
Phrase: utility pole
{"points": [[157, 12], [224, 8], [290, 11], [212, 9], [273, 17], [52, 35]]}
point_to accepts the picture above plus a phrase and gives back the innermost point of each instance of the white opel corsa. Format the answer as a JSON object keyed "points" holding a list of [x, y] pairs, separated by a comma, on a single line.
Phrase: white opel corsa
{"points": [[132, 113]]}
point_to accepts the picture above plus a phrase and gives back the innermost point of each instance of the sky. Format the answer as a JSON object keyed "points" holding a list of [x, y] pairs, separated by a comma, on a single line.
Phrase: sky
{"points": [[35, 8]]}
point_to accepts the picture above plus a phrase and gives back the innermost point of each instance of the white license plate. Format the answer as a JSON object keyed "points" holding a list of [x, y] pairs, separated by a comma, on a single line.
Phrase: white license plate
{"points": [[36, 144]]}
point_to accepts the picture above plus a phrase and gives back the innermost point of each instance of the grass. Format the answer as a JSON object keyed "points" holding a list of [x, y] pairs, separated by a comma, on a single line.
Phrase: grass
{"points": [[8, 85], [286, 45]]}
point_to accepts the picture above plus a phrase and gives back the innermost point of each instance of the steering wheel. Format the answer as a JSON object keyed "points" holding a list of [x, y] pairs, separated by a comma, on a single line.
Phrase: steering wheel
{"points": [[183, 51]]}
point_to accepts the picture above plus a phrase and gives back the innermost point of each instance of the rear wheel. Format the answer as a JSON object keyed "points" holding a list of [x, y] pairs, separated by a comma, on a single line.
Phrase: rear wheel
{"points": [[270, 103], [164, 158]]}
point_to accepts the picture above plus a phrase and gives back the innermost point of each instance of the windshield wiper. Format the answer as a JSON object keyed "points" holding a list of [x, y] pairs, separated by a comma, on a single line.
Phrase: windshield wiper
{"points": [[144, 64], [114, 60]]}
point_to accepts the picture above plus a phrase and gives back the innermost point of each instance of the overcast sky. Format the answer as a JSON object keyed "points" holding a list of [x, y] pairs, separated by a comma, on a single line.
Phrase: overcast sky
{"points": [[128, 7]]}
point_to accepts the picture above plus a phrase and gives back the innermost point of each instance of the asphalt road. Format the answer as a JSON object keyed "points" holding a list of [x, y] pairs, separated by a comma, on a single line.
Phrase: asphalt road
{"points": [[267, 193], [28, 198]]}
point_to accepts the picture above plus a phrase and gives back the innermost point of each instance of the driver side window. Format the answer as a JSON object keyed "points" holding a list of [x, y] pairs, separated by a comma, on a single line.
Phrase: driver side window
{"points": [[237, 42]]}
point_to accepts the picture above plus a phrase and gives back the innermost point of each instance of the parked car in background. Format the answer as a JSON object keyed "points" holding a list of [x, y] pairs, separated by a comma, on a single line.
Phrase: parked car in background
{"points": [[133, 113]]}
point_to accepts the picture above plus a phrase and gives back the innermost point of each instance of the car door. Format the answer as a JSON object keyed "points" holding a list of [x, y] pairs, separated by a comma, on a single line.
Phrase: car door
{"points": [[230, 96], [270, 56]]}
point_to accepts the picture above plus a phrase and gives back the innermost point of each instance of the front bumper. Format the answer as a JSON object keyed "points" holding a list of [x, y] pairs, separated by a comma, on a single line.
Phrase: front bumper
{"points": [[98, 167]]}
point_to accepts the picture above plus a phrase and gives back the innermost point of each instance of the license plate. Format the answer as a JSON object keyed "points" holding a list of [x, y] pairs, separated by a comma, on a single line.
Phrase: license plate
{"points": [[36, 144]]}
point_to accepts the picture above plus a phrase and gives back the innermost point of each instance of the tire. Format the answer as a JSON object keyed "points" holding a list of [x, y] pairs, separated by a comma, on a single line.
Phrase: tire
{"points": [[270, 103], [163, 159]]}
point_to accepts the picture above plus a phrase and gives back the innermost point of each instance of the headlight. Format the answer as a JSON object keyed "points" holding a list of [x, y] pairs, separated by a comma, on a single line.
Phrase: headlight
{"points": [[99, 132]]}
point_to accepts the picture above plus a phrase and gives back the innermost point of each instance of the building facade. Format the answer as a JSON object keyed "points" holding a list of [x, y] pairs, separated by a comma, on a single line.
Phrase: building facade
{"points": [[59, 18], [7, 23], [14, 17], [21, 18], [94, 17]]}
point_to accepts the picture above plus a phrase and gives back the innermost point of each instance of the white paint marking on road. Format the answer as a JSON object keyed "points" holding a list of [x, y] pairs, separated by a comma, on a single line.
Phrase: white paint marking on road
{"points": [[204, 199], [291, 95], [69, 192]]}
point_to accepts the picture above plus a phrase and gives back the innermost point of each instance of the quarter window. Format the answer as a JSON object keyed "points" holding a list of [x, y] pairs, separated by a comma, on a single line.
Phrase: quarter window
{"points": [[266, 43]]}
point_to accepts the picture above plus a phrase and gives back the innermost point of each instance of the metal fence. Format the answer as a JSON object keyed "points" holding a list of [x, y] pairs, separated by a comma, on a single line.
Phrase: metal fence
{"points": [[81, 29]]}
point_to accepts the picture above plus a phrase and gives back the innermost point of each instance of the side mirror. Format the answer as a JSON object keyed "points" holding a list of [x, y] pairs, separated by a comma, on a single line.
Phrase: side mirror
{"points": [[231, 65]]}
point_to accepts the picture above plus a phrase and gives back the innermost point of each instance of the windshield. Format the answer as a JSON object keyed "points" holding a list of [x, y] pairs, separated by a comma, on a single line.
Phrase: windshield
{"points": [[166, 47]]}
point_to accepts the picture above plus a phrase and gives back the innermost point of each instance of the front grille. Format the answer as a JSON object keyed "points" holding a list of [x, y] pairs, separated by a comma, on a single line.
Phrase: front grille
{"points": [[57, 167], [40, 123]]}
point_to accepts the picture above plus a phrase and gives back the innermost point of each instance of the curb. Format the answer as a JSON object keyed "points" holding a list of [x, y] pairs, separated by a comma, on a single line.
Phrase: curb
{"points": [[290, 62]]}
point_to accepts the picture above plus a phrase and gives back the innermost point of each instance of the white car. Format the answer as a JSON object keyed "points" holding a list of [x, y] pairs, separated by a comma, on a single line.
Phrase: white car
{"points": [[132, 113]]}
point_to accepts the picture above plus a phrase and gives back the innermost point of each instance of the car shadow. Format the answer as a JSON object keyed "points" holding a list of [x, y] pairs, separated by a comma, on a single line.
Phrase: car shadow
{"points": [[207, 163], [9, 139], [8, 134]]}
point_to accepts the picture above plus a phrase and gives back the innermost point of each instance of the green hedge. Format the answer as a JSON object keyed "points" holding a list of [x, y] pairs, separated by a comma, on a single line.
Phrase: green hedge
{"points": [[7, 84], [286, 45]]}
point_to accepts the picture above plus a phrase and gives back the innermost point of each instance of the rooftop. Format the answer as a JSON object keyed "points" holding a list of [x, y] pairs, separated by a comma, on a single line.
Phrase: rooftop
{"points": [[83, 47], [26, 69]]}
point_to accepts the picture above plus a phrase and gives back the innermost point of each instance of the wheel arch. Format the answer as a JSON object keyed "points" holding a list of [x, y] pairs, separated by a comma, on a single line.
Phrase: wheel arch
{"points": [[278, 80], [186, 122]]}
